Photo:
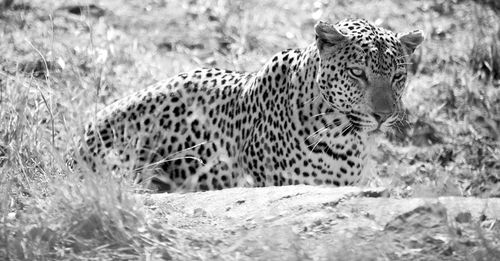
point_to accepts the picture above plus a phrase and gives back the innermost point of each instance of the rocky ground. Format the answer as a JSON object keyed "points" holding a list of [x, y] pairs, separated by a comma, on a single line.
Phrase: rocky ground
{"points": [[321, 223]]}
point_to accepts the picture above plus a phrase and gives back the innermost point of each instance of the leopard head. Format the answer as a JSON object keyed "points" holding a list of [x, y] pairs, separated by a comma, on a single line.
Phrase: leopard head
{"points": [[363, 70]]}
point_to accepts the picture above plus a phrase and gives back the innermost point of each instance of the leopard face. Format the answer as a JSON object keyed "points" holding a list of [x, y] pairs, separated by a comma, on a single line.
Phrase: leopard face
{"points": [[363, 69]]}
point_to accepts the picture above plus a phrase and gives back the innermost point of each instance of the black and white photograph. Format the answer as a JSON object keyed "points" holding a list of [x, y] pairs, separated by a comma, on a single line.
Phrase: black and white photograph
{"points": [[319, 130]]}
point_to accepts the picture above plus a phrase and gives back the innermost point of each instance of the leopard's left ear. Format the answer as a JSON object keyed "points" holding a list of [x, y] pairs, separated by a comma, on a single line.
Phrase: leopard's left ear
{"points": [[411, 40]]}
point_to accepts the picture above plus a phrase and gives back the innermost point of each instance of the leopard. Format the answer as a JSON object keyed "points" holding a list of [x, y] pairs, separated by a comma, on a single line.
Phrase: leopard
{"points": [[307, 116]]}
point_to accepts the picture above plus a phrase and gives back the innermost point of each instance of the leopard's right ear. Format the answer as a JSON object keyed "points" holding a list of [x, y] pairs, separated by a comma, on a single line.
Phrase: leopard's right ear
{"points": [[327, 35]]}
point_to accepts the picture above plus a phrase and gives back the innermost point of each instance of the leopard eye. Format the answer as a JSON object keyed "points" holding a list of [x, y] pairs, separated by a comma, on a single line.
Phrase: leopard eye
{"points": [[358, 73], [398, 77]]}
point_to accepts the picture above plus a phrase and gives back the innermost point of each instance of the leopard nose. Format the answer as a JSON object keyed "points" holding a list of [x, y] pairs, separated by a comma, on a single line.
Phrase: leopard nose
{"points": [[381, 116]]}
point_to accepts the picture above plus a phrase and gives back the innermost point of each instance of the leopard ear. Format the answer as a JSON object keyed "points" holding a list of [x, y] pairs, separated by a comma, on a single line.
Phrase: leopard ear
{"points": [[327, 35], [411, 40]]}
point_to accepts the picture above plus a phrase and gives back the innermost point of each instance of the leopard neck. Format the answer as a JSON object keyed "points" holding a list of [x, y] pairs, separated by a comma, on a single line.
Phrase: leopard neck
{"points": [[306, 93]]}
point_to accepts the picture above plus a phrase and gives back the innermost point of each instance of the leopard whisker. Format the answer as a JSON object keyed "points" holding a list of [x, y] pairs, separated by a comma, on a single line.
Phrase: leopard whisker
{"points": [[350, 129], [403, 56], [346, 129], [328, 111], [319, 131], [319, 114], [311, 100], [316, 144], [360, 122]]}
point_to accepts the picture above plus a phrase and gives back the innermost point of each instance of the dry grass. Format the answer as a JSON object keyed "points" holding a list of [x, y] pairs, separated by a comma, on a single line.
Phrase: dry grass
{"points": [[59, 65]]}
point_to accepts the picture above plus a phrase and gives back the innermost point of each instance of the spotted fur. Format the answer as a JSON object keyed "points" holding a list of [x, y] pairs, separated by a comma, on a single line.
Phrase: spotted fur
{"points": [[304, 118]]}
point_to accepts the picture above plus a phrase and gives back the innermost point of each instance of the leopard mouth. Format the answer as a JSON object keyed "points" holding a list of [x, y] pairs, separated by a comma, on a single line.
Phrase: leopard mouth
{"points": [[376, 131], [357, 121], [364, 123]]}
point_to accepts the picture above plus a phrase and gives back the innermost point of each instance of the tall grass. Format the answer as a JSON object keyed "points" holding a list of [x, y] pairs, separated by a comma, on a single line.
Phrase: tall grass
{"points": [[47, 211]]}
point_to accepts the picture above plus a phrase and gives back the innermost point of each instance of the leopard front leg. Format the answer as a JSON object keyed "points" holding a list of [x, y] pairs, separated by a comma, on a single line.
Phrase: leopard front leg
{"points": [[206, 166]]}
